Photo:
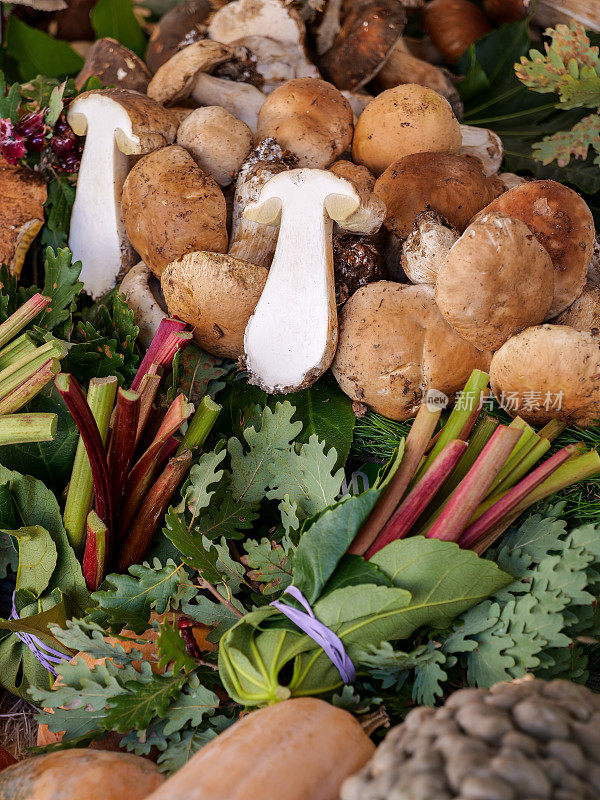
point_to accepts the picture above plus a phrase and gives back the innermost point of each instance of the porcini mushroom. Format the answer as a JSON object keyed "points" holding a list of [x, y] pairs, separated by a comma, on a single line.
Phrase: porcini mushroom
{"points": [[309, 117], [584, 313], [118, 123], [453, 25], [217, 141], [276, 62], [593, 271], [21, 213], [115, 65], [290, 339], [369, 216], [142, 292], [394, 346], [171, 207], [401, 121], [451, 184], [549, 372], [215, 294], [562, 221], [485, 145], [251, 241], [367, 37], [178, 28], [426, 247], [496, 281], [186, 74]]}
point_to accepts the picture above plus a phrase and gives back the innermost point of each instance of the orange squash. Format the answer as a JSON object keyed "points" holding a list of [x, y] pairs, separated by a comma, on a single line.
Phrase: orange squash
{"points": [[80, 775], [300, 749]]}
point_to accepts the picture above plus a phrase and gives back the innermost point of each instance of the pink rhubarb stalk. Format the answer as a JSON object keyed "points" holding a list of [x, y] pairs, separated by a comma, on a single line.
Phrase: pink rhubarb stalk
{"points": [[139, 537], [95, 555], [414, 448], [27, 390], [148, 390], [474, 486], [75, 400], [122, 442], [22, 317], [419, 497], [156, 350], [514, 496]]}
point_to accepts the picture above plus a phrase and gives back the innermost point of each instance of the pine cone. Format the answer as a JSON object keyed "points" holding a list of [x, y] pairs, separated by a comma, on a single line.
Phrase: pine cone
{"points": [[525, 740]]}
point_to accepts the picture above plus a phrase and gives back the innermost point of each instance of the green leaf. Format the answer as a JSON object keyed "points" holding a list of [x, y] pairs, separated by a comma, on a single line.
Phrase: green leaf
{"points": [[203, 474], [135, 708], [444, 580], [10, 100], [63, 286], [9, 557], [565, 145], [270, 564], [171, 646], [115, 18], [40, 624], [326, 541], [305, 477], [216, 615], [353, 570], [36, 53], [250, 470], [37, 558], [126, 601], [88, 637], [12, 294], [326, 412], [227, 518], [58, 207], [190, 708]]}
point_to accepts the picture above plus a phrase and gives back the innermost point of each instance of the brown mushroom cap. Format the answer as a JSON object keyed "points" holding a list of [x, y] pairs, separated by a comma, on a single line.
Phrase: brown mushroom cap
{"points": [[369, 32], [453, 185], [553, 365], [174, 80], [495, 281], [152, 125], [115, 65], [404, 120], [23, 195], [563, 223], [584, 313], [394, 345], [170, 207], [216, 294], [178, 28], [453, 25], [309, 117]]}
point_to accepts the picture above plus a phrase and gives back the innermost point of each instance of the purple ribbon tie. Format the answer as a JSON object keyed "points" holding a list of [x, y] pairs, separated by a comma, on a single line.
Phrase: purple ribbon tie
{"points": [[46, 655], [318, 632]]}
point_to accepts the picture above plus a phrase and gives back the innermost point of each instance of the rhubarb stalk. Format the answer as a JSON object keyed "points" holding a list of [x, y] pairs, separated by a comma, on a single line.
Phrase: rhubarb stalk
{"points": [[95, 555], [21, 370], [512, 498], [122, 442], [148, 390], [475, 485], [414, 449], [165, 329], [140, 535], [201, 424], [461, 416], [483, 432], [16, 349], [24, 428], [419, 497], [143, 472], [22, 317], [573, 471], [89, 477], [31, 386]]}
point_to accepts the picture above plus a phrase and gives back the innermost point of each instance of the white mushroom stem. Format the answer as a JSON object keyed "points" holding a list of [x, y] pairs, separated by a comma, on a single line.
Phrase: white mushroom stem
{"points": [[97, 235], [485, 145], [291, 338], [243, 100], [143, 294]]}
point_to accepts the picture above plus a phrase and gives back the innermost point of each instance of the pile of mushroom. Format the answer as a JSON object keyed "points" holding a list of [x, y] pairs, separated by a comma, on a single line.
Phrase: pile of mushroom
{"points": [[298, 222]]}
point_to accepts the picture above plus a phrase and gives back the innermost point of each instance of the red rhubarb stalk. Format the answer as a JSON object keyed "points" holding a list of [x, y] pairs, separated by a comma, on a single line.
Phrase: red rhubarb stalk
{"points": [[165, 329], [139, 537], [143, 472], [512, 498], [122, 442], [75, 400], [474, 486], [95, 555], [414, 449], [148, 391], [22, 317], [419, 497]]}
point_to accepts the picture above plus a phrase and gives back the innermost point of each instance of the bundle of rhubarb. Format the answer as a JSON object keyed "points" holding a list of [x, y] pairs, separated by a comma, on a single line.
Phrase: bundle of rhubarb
{"points": [[473, 479], [129, 461]]}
